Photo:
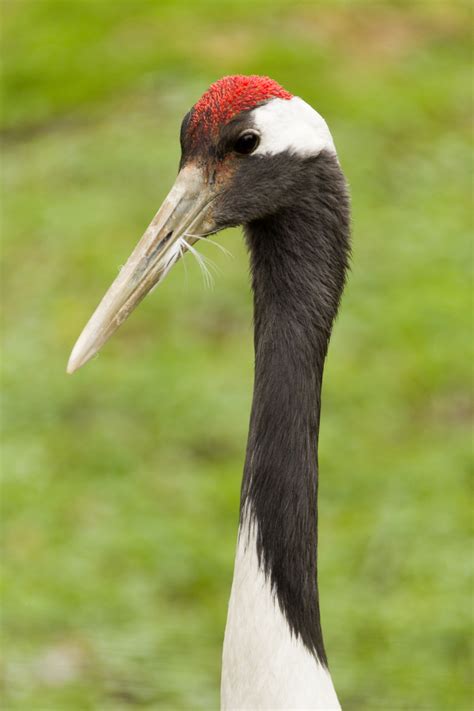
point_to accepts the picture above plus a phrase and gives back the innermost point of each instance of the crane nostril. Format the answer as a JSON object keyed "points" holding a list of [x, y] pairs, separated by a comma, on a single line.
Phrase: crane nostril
{"points": [[166, 238], [155, 249]]}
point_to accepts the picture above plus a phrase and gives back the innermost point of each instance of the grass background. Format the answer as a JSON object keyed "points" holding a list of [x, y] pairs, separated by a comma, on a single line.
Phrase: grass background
{"points": [[121, 484]]}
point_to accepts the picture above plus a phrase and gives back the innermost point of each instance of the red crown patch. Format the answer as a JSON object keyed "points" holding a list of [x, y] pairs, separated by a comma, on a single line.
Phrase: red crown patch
{"points": [[229, 96]]}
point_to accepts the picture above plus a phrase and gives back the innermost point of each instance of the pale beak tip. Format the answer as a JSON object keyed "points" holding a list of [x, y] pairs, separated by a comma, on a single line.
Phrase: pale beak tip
{"points": [[71, 368], [72, 365], [77, 359]]}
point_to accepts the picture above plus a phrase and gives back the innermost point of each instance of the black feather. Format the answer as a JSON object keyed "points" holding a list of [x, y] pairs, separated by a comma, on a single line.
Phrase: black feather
{"points": [[299, 257]]}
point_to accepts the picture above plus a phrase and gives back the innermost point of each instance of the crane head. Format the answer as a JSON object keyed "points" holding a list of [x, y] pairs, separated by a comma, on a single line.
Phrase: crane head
{"points": [[243, 145]]}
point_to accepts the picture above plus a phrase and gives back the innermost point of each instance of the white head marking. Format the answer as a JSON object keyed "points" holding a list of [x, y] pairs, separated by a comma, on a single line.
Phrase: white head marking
{"points": [[291, 125]]}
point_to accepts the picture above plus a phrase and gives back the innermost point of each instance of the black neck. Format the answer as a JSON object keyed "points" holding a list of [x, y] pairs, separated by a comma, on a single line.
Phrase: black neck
{"points": [[298, 259]]}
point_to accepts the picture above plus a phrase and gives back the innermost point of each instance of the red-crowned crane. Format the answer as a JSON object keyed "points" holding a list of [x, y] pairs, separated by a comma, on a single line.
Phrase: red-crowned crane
{"points": [[255, 155]]}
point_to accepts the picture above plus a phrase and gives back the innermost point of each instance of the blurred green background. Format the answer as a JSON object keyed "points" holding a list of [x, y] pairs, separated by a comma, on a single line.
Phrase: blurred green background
{"points": [[121, 484]]}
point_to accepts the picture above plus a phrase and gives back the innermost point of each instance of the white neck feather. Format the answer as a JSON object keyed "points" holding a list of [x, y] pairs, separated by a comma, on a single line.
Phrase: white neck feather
{"points": [[265, 667]]}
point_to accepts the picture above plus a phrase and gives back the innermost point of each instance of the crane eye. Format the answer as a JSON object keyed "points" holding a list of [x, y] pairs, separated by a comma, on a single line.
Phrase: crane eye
{"points": [[246, 143]]}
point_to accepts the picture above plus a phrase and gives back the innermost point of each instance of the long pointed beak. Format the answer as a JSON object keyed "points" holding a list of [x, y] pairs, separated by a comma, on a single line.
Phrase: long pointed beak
{"points": [[186, 211]]}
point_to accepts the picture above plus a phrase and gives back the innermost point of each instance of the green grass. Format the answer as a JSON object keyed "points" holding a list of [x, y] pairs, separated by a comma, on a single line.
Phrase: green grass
{"points": [[121, 485]]}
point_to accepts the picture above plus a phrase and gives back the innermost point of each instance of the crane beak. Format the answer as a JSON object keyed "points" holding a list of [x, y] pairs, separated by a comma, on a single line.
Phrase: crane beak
{"points": [[185, 213]]}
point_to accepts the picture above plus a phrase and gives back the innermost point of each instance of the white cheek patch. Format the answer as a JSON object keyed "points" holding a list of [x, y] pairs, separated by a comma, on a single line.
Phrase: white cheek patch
{"points": [[291, 125]]}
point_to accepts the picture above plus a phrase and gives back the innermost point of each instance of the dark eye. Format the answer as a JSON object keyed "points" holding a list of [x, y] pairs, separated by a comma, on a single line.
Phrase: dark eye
{"points": [[247, 143]]}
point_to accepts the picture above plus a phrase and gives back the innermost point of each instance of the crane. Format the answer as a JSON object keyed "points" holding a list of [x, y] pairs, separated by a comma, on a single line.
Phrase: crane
{"points": [[255, 155]]}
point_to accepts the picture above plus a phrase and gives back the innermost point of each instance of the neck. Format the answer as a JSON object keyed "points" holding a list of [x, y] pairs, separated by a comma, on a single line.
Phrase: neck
{"points": [[298, 259]]}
